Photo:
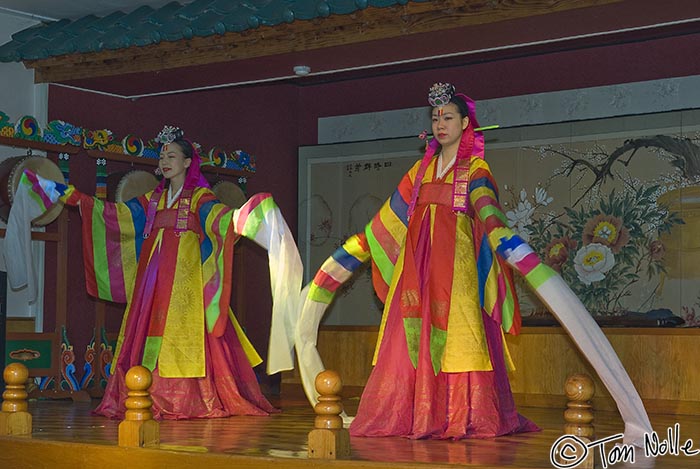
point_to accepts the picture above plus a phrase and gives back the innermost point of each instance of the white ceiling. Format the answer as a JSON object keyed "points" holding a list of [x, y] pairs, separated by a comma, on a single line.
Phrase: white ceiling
{"points": [[72, 9]]}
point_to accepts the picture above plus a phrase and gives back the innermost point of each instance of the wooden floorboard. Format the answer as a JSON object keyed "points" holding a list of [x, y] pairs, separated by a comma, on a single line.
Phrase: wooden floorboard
{"points": [[65, 434]]}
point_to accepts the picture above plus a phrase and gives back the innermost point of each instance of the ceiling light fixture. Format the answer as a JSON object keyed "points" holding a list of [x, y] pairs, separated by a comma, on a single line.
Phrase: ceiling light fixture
{"points": [[302, 70]]}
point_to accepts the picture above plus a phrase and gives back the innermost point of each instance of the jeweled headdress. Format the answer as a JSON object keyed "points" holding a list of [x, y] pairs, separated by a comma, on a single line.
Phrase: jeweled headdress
{"points": [[440, 94], [471, 145], [169, 134]]}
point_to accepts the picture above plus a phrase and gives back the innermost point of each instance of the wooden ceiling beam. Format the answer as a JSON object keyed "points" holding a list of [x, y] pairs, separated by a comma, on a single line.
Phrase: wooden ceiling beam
{"points": [[365, 25]]}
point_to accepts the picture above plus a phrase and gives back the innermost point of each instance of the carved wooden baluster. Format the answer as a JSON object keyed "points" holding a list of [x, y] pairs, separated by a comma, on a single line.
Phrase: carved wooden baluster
{"points": [[14, 418], [579, 389], [138, 428], [329, 440]]}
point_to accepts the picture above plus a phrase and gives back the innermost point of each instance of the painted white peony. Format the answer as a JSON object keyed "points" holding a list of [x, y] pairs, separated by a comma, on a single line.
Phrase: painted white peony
{"points": [[592, 261], [520, 218]]}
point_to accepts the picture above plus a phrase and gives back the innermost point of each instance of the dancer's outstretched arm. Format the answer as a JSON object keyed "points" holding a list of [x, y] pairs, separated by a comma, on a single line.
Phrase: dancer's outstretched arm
{"points": [[562, 302]]}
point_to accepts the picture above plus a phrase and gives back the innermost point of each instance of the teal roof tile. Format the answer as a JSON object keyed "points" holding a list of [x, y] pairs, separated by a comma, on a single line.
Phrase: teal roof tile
{"points": [[102, 25], [135, 18], [385, 3], [116, 38], [164, 14], [9, 53], [66, 42], [272, 14], [144, 35], [26, 34], [193, 10], [207, 24], [310, 10], [79, 26], [51, 29], [324, 9], [172, 22], [62, 44], [224, 7], [34, 49], [173, 30], [240, 19], [345, 7], [88, 43]]}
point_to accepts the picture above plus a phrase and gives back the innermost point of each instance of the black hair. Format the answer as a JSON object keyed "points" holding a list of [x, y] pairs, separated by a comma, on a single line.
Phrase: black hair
{"points": [[185, 146], [461, 106], [177, 135]]}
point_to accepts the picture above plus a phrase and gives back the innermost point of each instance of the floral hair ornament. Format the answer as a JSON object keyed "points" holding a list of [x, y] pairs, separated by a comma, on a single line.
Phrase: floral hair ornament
{"points": [[197, 147]]}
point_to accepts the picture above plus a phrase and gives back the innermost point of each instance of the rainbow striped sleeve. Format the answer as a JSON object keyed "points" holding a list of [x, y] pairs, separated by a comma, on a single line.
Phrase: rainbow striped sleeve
{"points": [[492, 233], [250, 218], [338, 268], [217, 262], [112, 239], [216, 251], [110, 242], [44, 193], [381, 242], [387, 232], [521, 256], [496, 287]]}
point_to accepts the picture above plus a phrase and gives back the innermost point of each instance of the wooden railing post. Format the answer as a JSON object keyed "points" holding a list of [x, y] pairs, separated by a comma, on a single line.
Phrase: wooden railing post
{"points": [[138, 427], [14, 418], [328, 439], [579, 389]]}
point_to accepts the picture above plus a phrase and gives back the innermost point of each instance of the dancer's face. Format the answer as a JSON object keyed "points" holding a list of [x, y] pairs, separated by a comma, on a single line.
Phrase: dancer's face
{"points": [[448, 124], [173, 163]]}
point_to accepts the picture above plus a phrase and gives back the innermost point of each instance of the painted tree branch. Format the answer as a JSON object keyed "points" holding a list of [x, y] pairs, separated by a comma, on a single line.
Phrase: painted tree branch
{"points": [[684, 152]]}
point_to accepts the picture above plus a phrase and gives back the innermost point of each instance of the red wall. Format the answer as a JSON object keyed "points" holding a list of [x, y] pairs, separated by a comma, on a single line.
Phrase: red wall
{"points": [[510, 74], [272, 120]]}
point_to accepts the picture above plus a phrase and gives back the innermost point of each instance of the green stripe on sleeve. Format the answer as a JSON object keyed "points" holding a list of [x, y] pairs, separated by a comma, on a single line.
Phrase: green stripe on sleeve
{"points": [[540, 274], [99, 251], [380, 258], [321, 295], [489, 210]]}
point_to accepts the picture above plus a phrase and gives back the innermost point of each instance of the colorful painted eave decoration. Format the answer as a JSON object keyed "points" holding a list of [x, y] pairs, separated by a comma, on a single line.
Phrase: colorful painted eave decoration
{"points": [[59, 132], [172, 22]]}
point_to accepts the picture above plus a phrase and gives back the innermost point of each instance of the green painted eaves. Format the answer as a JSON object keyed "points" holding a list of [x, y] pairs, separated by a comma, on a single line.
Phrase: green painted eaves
{"points": [[172, 22]]}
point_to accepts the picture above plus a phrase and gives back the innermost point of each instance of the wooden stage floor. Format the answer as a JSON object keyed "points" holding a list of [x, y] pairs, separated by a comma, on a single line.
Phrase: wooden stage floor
{"points": [[65, 434]]}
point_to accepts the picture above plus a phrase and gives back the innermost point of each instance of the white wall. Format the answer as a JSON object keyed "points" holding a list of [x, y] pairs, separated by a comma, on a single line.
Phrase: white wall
{"points": [[19, 96]]}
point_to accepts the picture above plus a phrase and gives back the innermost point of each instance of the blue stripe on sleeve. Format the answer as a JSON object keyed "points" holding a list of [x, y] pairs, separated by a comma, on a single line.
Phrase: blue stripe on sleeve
{"points": [[347, 260], [482, 182], [138, 216], [399, 207], [507, 245], [483, 266], [205, 246]]}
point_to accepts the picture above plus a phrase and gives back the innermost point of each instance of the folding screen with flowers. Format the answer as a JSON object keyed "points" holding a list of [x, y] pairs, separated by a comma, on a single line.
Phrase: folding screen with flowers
{"points": [[614, 206]]}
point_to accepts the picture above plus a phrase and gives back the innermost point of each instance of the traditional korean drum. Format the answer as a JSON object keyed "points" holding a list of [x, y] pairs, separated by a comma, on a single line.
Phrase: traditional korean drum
{"points": [[229, 193], [125, 185], [11, 170]]}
